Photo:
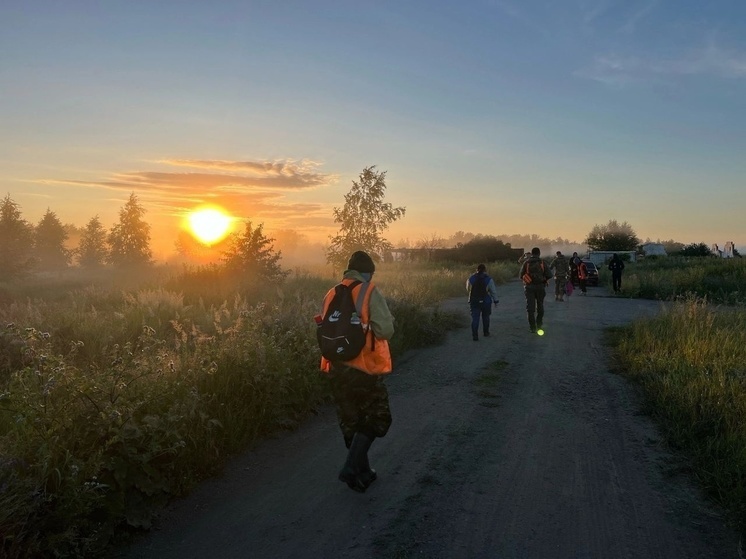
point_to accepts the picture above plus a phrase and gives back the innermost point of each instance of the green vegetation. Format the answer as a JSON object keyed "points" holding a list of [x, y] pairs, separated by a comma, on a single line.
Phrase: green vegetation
{"points": [[691, 364], [129, 239], [363, 219], [612, 236], [718, 280], [114, 399]]}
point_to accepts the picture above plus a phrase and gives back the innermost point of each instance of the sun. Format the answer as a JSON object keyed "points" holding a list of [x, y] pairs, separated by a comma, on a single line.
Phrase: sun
{"points": [[209, 225]]}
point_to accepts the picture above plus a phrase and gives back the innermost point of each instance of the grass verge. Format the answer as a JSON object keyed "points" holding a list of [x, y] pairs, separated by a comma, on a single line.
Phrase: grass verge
{"points": [[691, 364]]}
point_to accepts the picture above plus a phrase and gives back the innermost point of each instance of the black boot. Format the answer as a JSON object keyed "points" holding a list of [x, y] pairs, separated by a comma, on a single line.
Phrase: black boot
{"points": [[356, 472], [367, 474]]}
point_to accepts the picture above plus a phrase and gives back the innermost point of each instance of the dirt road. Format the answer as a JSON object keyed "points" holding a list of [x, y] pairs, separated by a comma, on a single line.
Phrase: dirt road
{"points": [[516, 446]]}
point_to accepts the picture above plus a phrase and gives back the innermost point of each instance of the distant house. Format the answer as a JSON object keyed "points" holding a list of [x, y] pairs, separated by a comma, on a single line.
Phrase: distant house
{"points": [[601, 257], [726, 252], [653, 249]]}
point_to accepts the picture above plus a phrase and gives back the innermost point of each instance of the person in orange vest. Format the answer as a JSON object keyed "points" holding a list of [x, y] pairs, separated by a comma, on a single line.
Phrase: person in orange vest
{"points": [[535, 275], [583, 277], [358, 388]]}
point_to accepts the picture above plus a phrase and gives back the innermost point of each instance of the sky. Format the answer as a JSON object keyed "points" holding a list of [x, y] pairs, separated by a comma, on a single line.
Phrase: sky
{"points": [[488, 116]]}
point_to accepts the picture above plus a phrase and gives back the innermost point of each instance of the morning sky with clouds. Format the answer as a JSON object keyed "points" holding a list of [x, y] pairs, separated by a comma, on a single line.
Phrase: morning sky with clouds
{"points": [[493, 117]]}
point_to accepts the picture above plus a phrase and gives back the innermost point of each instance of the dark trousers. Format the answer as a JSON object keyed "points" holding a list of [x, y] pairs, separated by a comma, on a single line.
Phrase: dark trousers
{"points": [[362, 402], [481, 310], [616, 280], [535, 305], [583, 284]]}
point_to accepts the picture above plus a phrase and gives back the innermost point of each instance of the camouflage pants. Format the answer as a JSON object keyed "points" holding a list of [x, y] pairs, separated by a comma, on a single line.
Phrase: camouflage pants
{"points": [[362, 403], [559, 286]]}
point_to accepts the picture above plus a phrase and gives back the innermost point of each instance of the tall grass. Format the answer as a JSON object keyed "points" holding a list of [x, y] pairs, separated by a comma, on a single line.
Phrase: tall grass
{"points": [[112, 400], [691, 362], [720, 280]]}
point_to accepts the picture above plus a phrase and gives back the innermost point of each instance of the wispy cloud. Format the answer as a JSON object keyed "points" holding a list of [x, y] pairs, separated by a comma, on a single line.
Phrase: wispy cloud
{"points": [[631, 24], [613, 69], [278, 174], [709, 61], [248, 189]]}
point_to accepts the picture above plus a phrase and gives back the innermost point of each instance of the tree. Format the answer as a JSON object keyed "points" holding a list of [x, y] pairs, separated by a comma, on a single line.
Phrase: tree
{"points": [[252, 253], [695, 249], [49, 243], [671, 246], [363, 219], [16, 241], [129, 240], [483, 248], [432, 242], [612, 236], [92, 251]]}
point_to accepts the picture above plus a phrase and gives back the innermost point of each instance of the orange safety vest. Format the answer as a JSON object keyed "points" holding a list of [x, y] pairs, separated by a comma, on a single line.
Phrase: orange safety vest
{"points": [[582, 271], [375, 357]]}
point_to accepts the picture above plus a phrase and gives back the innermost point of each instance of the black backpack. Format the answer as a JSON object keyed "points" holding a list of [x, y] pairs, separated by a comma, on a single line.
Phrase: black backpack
{"points": [[340, 334], [535, 273], [478, 291]]}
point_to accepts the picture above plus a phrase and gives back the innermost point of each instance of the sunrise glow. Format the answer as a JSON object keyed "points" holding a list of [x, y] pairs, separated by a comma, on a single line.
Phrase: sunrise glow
{"points": [[209, 225]]}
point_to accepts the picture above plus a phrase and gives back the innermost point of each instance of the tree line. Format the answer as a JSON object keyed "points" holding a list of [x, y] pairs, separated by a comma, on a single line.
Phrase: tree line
{"points": [[362, 221], [25, 247]]}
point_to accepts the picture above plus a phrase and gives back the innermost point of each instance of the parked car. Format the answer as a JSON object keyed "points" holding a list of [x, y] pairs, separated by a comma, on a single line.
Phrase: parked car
{"points": [[592, 273]]}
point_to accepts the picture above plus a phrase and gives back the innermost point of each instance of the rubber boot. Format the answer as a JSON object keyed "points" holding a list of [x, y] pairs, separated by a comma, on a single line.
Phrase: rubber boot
{"points": [[367, 474], [356, 472]]}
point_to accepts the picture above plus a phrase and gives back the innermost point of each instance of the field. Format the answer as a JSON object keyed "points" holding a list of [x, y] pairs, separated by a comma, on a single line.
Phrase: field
{"points": [[668, 278], [118, 393], [691, 364]]}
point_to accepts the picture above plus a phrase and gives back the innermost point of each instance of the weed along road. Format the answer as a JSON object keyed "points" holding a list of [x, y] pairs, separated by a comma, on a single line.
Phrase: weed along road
{"points": [[515, 446]]}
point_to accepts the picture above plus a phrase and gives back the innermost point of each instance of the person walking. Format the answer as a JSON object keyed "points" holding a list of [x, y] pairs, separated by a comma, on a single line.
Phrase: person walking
{"points": [[357, 386], [482, 294], [583, 277], [535, 275], [616, 265], [574, 263], [561, 268]]}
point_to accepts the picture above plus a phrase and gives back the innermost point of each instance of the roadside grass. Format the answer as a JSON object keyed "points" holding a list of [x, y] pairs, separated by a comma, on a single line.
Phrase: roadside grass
{"points": [[668, 278], [691, 364], [114, 398]]}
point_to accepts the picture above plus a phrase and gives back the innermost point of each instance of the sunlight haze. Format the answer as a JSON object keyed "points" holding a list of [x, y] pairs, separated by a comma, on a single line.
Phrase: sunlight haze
{"points": [[492, 117]]}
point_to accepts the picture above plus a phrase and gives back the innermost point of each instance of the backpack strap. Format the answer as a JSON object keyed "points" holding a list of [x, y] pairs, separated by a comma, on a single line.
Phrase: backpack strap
{"points": [[360, 296]]}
